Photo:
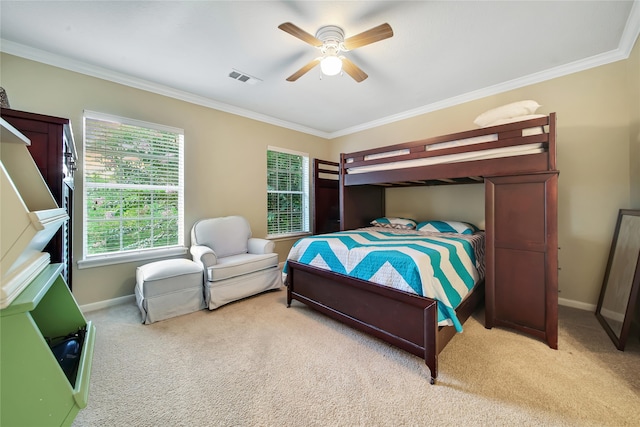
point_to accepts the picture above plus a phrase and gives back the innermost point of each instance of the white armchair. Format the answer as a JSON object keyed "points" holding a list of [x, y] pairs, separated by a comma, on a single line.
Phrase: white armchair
{"points": [[235, 264]]}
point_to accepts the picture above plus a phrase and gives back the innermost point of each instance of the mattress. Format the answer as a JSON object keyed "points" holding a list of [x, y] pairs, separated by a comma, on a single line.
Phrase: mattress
{"points": [[441, 266]]}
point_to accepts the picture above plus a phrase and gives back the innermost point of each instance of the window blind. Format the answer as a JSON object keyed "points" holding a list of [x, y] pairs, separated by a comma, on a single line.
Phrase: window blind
{"points": [[287, 192], [133, 185]]}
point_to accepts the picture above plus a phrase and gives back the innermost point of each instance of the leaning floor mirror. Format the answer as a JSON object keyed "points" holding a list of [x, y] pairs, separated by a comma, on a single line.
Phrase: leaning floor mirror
{"points": [[620, 288]]}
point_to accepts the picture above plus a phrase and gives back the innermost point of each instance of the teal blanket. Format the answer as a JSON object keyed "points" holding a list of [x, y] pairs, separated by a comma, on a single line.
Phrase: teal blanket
{"points": [[441, 266]]}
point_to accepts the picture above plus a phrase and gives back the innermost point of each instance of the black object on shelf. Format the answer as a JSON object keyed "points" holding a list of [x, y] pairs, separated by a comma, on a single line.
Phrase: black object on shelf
{"points": [[67, 351]]}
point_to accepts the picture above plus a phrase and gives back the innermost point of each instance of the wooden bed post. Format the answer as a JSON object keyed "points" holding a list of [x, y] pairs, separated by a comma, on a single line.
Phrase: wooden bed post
{"points": [[431, 356], [552, 141], [341, 174]]}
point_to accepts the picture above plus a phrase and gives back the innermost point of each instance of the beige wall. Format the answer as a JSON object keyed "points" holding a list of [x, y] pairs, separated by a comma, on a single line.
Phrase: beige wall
{"points": [[598, 134], [595, 128], [225, 154]]}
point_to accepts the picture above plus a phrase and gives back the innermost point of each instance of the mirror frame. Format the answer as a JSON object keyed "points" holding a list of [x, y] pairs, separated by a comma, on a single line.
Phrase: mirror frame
{"points": [[621, 340]]}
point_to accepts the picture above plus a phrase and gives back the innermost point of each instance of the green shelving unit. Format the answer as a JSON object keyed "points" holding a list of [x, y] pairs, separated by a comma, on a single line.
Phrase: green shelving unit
{"points": [[34, 391]]}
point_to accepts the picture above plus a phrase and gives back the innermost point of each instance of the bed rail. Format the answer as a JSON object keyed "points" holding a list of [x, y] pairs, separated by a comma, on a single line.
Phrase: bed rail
{"points": [[325, 170], [463, 157]]}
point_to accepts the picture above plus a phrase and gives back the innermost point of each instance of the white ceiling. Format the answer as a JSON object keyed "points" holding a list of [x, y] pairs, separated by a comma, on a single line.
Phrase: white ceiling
{"points": [[442, 52]]}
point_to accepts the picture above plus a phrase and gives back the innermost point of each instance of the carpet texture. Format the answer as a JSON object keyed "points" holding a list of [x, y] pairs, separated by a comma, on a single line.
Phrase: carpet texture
{"points": [[256, 362]]}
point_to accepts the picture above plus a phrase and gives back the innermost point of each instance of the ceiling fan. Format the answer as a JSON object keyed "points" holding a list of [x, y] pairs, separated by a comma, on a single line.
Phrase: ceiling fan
{"points": [[331, 42]]}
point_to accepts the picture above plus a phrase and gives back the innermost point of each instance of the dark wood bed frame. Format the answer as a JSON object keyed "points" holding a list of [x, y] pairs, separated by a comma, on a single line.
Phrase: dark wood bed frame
{"points": [[325, 196], [400, 318], [406, 320]]}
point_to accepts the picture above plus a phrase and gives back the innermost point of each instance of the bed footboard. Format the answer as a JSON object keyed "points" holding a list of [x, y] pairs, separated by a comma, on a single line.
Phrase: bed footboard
{"points": [[402, 319]]}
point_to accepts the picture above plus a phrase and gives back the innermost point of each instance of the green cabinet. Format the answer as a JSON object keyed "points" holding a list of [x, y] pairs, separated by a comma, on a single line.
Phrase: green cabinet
{"points": [[34, 389]]}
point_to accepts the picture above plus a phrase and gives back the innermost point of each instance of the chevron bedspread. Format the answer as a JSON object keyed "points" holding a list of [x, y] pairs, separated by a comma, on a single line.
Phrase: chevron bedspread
{"points": [[441, 266]]}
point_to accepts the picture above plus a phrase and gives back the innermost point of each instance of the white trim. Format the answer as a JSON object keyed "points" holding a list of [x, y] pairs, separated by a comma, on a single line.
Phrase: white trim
{"points": [[627, 40], [59, 61], [631, 30], [112, 118], [127, 299], [116, 258], [149, 254], [289, 236], [287, 151], [306, 191], [542, 76], [613, 315], [577, 304]]}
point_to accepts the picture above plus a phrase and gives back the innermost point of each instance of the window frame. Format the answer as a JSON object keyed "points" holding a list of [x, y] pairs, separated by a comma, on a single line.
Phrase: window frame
{"points": [[116, 257], [306, 192]]}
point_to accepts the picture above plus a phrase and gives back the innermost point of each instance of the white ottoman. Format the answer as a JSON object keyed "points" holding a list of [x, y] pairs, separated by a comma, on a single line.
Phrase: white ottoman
{"points": [[169, 288]]}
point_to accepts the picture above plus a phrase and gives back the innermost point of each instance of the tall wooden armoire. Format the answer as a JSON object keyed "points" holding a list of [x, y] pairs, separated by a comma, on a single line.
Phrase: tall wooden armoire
{"points": [[53, 149]]}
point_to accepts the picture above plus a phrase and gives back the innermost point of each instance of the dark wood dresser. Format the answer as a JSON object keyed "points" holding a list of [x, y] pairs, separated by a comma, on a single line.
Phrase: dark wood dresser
{"points": [[522, 254], [53, 149]]}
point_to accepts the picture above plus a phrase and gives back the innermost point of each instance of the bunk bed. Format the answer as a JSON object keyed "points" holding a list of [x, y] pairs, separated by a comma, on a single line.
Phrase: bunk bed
{"points": [[516, 163], [325, 196]]}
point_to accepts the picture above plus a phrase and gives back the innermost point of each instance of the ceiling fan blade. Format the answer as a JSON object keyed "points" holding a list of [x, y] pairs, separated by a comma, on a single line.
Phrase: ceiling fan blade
{"points": [[353, 70], [381, 32], [298, 32], [302, 71]]}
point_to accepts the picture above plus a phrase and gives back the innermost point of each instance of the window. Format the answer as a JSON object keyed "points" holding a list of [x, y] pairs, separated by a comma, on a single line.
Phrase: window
{"points": [[287, 192], [133, 187]]}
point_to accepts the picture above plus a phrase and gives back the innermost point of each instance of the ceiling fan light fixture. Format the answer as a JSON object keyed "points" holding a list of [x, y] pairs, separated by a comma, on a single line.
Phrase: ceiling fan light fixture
{"points": [[331, 65], [331, 42]]}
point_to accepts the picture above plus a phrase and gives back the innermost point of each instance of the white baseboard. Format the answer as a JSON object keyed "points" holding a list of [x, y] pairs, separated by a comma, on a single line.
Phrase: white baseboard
{"points": [[86, 308], [577, 304]]}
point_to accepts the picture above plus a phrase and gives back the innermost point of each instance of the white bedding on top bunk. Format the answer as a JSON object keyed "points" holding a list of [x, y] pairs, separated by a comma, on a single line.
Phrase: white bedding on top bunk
{"points": [[493, 153]]}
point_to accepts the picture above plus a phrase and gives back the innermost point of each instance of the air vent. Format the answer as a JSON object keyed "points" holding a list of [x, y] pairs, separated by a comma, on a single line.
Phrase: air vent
{"points": [[244, 77]]}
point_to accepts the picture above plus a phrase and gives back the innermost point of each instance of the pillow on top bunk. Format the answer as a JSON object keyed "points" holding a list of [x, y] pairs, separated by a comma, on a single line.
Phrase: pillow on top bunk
{"points": [[515, 109], [516, 119], [392, 222], [447, 227]]}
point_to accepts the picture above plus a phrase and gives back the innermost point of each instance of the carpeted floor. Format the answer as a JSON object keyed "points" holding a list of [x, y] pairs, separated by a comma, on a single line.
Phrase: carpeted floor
{"points": [[257, 363]]}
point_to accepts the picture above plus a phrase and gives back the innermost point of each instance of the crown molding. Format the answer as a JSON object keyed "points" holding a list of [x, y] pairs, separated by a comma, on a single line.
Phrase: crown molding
{"points": [[542, 76], [627, 41], [48, 58]]}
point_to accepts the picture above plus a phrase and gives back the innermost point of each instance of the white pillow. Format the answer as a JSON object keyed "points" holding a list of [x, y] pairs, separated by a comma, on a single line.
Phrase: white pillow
{"points": [[515, 119], [393, 222], [515, 109]]}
